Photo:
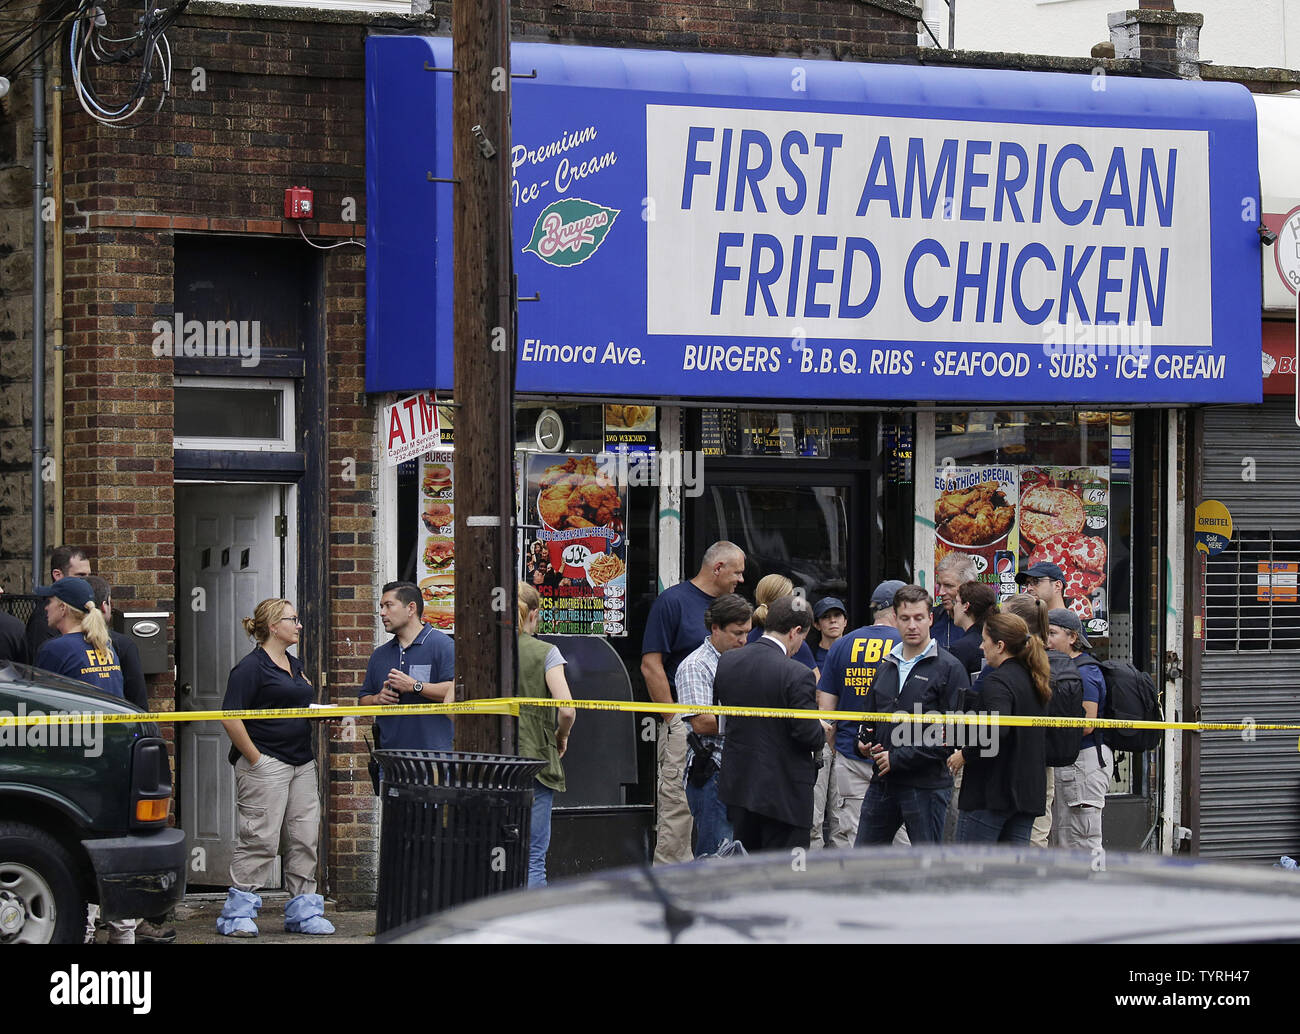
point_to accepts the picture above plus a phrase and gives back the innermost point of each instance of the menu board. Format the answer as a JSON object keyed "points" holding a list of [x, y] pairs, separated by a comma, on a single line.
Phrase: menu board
{"points": [[975, 514], [1064, 520], [1008, 518], [577, 559], [436, 562]]}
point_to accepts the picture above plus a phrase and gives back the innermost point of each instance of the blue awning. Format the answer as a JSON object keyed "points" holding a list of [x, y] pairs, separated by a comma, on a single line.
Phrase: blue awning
{"points": [[713, 226]]}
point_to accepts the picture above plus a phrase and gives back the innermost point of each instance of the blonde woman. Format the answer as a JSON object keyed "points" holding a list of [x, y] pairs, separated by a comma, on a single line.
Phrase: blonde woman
{"points": [[770, 588], [543, 731], [275, 779], [82, 649]]}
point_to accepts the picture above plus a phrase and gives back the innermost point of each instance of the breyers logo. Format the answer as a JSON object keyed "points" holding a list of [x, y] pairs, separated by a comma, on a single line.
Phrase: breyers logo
{"points": [[568, 232]]}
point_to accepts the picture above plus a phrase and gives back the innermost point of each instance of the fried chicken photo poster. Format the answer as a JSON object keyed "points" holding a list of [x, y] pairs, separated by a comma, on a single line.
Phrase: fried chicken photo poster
{"points": [[576, 553], [437, 562], [975, 514], [1064, 520]]}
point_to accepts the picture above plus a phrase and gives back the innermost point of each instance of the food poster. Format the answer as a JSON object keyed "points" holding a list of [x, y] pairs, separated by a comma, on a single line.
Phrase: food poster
{"points": [[436, 564], [576, 552], [975, 514], [1064, 520], [630, 428]]}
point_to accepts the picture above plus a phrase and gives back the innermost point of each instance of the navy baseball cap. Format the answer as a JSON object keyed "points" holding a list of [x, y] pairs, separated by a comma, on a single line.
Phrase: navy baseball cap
{"points": [[75, 592], [884, 593], [1069, 620], [1042, 569], [826, 604]]}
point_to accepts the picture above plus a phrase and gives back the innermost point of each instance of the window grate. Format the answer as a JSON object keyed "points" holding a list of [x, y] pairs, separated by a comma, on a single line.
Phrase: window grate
{"points": [[1252, 593]]}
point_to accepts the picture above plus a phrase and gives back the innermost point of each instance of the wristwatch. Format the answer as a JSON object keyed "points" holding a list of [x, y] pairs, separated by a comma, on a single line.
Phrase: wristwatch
{"points": [[418, 689]]}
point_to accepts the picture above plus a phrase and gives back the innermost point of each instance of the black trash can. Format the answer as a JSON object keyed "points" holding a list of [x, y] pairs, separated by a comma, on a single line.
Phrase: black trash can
{"points": [[455, 827]]}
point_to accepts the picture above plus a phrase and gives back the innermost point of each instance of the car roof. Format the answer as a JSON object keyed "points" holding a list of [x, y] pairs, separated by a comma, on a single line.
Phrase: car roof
{"points": [[955, 893]]}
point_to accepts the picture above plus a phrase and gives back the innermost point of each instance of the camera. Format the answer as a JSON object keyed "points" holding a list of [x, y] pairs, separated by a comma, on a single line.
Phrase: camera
{"points": [[866, 733]]}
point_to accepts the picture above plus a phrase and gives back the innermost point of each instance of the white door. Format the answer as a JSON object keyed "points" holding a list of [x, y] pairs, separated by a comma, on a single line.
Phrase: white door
{"points": [[229, 559]]}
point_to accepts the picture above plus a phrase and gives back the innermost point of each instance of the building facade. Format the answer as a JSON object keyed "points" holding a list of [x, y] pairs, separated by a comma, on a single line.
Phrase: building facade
{"points": [[220, 398]]}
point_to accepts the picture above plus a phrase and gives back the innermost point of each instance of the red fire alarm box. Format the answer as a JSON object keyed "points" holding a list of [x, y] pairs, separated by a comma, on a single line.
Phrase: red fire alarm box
{"points": [[297, 203]]}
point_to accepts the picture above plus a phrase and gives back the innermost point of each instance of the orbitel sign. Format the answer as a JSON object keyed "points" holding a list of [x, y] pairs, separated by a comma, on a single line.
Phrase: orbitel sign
{"points": [[713, 226]]}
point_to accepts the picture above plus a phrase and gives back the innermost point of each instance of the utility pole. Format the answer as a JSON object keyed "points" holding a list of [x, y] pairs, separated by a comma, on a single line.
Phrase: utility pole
{"points": [[484, 335]]}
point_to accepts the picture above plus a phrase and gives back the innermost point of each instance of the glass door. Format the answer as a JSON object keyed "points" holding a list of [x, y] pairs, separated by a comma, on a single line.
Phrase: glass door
{"points": [[796, 523]]}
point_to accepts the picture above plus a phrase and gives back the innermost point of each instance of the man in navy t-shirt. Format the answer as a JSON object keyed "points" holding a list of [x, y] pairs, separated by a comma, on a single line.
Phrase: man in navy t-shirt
{"points": [[674, 629], [416, 666], [847, 674]]}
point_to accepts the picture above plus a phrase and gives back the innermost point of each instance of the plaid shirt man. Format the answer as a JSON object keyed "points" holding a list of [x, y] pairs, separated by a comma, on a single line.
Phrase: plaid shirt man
{"points": [[695, 688]]}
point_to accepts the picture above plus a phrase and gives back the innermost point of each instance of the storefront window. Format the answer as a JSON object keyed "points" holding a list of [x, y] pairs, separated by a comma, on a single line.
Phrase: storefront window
{"points": [[1013, 489]]}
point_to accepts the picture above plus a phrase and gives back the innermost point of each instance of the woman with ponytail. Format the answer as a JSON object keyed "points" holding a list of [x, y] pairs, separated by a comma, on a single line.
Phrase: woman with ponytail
{"points": [[82, 649], [769, 589], [1065, 675], [276, 793], [1003, 790]]}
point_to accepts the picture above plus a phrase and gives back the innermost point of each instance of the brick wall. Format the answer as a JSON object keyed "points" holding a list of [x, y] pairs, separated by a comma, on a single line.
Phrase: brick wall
{"points": [[259, 104], [16, 342]]}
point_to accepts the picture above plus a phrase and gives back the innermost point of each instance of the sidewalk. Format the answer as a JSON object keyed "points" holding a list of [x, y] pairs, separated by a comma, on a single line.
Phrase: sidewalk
{"points": [[196, 923]]}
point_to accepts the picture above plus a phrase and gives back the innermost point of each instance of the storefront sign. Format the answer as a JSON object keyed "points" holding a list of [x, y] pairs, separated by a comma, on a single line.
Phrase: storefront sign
{"points": [[718, 226], [437, 562], [411, 428], [577, 556], [1213, 527]]}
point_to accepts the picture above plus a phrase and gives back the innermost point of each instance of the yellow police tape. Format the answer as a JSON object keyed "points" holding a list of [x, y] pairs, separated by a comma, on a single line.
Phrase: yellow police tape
{"points": [[511, 705]]}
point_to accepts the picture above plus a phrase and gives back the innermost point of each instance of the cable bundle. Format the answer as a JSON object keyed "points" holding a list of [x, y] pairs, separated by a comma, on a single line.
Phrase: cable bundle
{"points": [[89, 45]]}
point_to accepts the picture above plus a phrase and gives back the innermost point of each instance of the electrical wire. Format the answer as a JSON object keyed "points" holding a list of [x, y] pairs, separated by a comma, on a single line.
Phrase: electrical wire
{"points": [[90, 45], [327, 247]]}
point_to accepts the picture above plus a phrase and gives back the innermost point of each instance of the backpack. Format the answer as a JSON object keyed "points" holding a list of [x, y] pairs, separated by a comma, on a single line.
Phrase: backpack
{"points": [[1131, 696], [1063, 744]]}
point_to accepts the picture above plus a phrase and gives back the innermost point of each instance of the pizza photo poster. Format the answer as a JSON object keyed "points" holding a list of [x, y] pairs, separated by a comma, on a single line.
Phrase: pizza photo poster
{"points": [[575, 552], [975, 514], [1064, 519], [436, 564]]}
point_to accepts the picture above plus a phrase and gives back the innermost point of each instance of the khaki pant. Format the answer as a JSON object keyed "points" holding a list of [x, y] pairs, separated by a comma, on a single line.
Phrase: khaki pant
{"points": [[823, 788], [852, 777], [673, 823], [278, 812], [1038, 836], [1080, 797]]}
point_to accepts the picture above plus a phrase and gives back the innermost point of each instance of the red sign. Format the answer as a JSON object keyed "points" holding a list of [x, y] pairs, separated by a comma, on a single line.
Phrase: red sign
{"points": [[411, 428]]}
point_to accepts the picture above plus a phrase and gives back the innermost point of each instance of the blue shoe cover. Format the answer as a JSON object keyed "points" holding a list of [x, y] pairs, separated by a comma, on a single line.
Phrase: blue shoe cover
{"points": [[306, 914], [238, 913]]}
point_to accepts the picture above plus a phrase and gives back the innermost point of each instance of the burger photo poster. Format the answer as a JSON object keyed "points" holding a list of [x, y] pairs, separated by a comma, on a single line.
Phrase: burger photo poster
{"points": [[437, 557], [575, 552], [1064, 520]]}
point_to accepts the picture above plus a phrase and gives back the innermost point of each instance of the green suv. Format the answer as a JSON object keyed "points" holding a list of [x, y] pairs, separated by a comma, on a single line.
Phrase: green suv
{"points": [[83, 813]]}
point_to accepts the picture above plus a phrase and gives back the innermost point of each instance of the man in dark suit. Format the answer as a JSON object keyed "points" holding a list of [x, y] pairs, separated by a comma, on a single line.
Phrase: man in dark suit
{"points": [[769, 764]]}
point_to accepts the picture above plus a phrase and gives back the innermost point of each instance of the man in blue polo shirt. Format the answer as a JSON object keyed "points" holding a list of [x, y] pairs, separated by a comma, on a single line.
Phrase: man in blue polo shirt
{"points": [[416, 666], [673, 631]]}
